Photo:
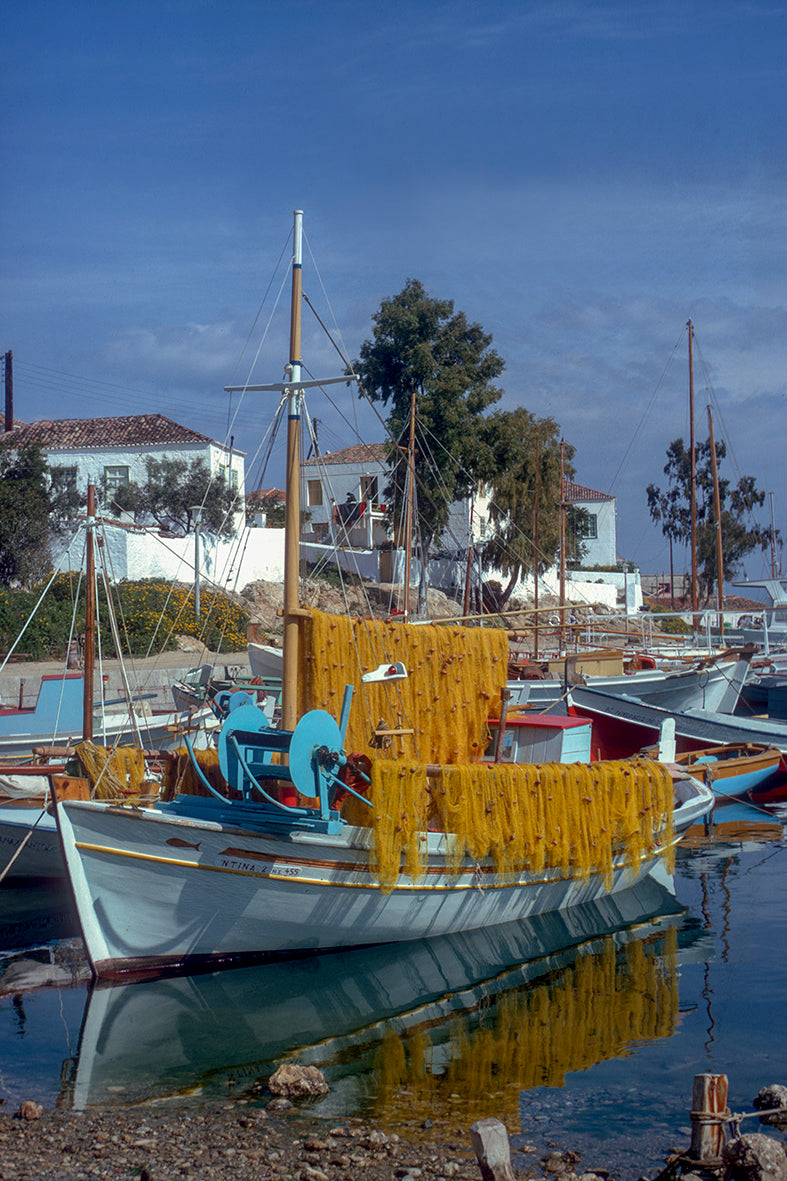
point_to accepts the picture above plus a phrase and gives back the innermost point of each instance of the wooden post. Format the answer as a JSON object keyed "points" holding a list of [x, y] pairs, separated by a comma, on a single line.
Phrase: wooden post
{"points": [[505, 697], [708, 1115]]}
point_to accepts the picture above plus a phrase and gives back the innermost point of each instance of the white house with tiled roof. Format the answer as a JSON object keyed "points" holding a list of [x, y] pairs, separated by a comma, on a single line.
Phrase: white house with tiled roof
{"points": [[341, 491], [111, 452], [599, 532]]}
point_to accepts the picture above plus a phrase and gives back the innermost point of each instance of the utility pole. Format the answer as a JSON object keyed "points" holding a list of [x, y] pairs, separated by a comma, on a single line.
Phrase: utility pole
{"points": [[9, 390], [196, 515]]}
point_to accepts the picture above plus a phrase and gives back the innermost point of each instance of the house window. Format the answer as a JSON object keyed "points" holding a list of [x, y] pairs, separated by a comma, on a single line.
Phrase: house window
{"points": [[587, 526], [64, 479], [229, 477], [314, 492], [369, 491], [114, 478]]}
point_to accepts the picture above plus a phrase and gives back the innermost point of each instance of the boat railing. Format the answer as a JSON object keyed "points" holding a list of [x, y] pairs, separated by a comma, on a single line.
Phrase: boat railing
{"points": [[643, 630]]}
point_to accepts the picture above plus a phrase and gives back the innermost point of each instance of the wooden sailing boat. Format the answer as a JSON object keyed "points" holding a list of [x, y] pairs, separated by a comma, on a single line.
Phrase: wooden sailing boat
{"points": [[307, 847]]}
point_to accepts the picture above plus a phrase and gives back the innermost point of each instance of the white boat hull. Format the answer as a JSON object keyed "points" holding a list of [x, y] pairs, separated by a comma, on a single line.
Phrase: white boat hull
{"points": [[41, 856], [154, 891]]}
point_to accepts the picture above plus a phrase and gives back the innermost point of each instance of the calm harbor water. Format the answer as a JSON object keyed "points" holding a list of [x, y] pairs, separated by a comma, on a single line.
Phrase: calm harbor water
{"points": [[583, 1030]]}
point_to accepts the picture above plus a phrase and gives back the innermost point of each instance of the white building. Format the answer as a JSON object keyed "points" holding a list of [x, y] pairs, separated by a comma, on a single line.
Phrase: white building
{"points": [[599, 532], [341, 493], [111, 452]]}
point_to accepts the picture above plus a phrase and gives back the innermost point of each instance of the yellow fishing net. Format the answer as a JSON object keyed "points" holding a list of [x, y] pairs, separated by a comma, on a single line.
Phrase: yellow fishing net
{"points": [[455, 675], [113, 772], [570, 816], [531, 1036], [180, 776]]}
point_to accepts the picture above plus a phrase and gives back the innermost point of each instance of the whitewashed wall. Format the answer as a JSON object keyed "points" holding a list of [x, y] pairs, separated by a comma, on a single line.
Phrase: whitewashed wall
{"points": [[259, 554], [91, 462], [600, 550], [137, 553]]}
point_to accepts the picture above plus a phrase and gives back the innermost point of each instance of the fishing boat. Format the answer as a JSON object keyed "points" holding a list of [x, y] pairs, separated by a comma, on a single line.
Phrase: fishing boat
{"points": [[622, 724], [309, 846], [734, 770], [712, 684], [56, 720]]}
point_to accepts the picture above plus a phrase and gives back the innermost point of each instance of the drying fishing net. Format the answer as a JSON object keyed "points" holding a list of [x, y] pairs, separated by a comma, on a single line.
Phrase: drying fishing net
{"points": [[455, 675], [574, 817], [113, 772]]}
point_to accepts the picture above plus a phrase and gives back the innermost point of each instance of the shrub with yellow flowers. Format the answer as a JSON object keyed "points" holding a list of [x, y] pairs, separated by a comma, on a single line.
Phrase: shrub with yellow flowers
{"points": [[149, 615]]}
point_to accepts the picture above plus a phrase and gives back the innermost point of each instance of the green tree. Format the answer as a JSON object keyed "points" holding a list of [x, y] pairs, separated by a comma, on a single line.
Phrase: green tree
{"points": [[672, 509], [171, 489], [65, 500], [522, 451], [420, 346], [24, 515], [274, 506]]}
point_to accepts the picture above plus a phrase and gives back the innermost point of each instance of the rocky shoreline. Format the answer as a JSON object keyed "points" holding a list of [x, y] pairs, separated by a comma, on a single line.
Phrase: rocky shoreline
{"points": [[235, 1141]]}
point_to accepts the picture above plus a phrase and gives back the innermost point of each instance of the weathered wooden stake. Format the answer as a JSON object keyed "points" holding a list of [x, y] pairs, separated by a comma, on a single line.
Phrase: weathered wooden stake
{"points": [[708, 1115], [490, 1144]]}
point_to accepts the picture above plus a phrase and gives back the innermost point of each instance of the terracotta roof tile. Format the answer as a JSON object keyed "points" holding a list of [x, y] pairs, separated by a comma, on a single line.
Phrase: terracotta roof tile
{"points": [[264, 493], [133, 430], [574, 492], [359, 453]]}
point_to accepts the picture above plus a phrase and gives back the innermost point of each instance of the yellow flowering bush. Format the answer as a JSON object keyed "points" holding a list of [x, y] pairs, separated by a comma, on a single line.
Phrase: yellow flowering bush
{"points": [[150, 615]]}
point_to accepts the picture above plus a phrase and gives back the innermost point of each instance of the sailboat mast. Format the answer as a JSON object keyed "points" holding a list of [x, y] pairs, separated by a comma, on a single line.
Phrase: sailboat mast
{"points": [[90, 616], [562, 544], [693, 477], [410, 500], [536, 552], [717, 520], [292, 531]]}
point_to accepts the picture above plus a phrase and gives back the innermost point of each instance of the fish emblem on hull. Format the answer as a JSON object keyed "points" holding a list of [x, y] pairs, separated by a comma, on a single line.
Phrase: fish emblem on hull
{"points": [[180, 844]]}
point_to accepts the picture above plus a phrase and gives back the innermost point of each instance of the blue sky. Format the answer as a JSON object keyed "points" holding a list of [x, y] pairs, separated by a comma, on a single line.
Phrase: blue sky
{"points": [[581, 178]]}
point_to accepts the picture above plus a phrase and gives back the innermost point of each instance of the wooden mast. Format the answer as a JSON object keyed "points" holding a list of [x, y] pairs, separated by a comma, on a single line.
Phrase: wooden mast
{"points": [[693, 478], [469, 567], [291, 388], [90, 616], [410, 500], [535, 547], [717, 520], [562, 544], [289, 707]]}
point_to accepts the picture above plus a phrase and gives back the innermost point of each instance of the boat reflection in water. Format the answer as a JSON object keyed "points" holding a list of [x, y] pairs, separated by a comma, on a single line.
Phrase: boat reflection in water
{"points": [[37, 911], [399, 1030]]}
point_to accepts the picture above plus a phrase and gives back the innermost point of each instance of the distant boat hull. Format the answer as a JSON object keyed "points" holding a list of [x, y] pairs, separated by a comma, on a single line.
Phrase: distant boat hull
{"points": [[716, 687], [41, 856], [733, 771], [623, 724]]}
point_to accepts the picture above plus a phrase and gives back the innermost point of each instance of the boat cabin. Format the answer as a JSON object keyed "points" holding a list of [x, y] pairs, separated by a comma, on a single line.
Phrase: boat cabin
{"points": [[541, 738]]}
